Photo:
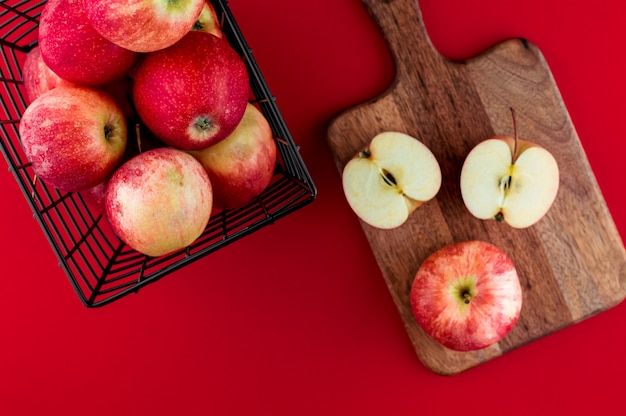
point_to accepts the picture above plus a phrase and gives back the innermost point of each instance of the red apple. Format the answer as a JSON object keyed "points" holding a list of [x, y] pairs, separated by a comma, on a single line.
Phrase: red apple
{"points": [[242, 165], [95, 196], [73, 136], [192, 94], [159, 201], [467, 295], [143, 25], [208, 21], [38, 77], [139, 140], [73, 49]]}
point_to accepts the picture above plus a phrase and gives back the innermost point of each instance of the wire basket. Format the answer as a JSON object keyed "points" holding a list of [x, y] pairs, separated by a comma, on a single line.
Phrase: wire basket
{"points": [[101, 267]]}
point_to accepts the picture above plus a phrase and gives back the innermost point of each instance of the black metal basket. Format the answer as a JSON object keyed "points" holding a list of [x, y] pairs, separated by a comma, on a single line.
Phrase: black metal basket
{"points": [[99, 265]]}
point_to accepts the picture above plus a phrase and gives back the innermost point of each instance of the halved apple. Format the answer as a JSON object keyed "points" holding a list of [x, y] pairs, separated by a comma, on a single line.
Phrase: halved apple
{"points": [[510, 180], [388, 180]]}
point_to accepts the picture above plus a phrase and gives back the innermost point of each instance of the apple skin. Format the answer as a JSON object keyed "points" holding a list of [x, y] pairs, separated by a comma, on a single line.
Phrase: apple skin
{"points": [[493, 303], [192, 94], [139, 140], [208, 21], [143, 25], [73, 136], [38, 77], [242, 165], [159, 201], [73, 49], [95, 196]]}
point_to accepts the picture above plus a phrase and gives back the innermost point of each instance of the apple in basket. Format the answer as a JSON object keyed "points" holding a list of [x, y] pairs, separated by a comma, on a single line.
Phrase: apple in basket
{"points": [[242, 165], [466, 295], [139, 140], [510, 180], [143, 25], [194, 93], [390, 178], [95, 196], [208, 21], [75, 51], [159, 201], [73, 136], [38, 77]]}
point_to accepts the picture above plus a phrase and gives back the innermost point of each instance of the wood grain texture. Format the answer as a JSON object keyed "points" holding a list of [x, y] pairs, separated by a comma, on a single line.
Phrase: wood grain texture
{"points": [[572, 263]]}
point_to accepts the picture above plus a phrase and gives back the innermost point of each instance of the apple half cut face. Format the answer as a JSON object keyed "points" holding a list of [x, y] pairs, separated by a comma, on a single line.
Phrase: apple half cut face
{"points": [[510, 180], [388, 180], [467, 295]]}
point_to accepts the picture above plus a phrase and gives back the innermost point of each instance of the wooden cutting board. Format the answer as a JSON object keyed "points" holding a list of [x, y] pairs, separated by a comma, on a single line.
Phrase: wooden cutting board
{"points": [[571, 264]]}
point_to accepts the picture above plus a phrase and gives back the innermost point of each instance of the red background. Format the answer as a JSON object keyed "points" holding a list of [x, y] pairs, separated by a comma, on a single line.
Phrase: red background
{"points": [[296, 319]]}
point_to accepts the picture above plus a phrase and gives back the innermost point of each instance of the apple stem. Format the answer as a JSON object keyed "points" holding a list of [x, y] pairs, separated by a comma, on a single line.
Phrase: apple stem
{"points": [[138, 134], [515, 139]]}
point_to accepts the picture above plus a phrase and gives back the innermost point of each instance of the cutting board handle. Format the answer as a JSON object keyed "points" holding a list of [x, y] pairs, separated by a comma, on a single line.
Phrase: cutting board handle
{"points": [[401, 24]]}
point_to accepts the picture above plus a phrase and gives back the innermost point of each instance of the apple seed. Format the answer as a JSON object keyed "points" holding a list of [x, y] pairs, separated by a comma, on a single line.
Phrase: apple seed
{"points": [[388, 178]]}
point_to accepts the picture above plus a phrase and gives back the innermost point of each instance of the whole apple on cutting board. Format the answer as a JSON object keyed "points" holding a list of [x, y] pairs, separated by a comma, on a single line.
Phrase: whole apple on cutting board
{"points": [[467, 295]]}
